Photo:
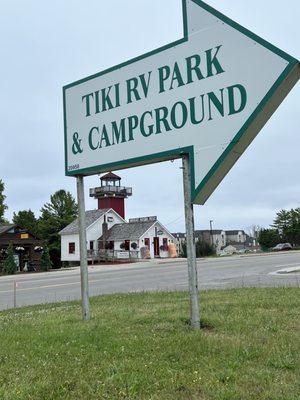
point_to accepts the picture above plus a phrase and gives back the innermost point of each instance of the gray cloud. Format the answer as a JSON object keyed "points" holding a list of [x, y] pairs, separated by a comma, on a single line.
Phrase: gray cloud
{"points": [[45, 45]]}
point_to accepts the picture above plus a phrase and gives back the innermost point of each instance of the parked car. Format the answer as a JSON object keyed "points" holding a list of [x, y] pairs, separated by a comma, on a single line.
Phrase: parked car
{"points": [[282, 246]]}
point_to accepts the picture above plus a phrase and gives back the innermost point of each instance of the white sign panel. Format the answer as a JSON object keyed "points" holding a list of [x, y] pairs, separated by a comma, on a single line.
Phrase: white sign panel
{"points": [[207, 94], [123, 254]]}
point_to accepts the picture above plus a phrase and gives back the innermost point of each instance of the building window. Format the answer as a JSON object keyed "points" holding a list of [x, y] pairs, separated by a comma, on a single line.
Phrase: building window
{"points": [[147, 242], [91, 245], [72, 248]]}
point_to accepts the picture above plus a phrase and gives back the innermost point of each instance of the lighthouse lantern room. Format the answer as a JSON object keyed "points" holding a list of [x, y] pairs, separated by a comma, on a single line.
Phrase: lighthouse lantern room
{"points": [[111, 194]]}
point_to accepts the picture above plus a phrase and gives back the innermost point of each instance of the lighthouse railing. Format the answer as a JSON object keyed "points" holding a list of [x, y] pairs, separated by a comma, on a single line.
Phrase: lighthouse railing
{"points": [[111, 189]]}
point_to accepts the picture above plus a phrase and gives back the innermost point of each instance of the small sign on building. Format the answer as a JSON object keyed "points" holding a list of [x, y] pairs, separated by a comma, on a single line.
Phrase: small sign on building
{"points": [[123, 254]]}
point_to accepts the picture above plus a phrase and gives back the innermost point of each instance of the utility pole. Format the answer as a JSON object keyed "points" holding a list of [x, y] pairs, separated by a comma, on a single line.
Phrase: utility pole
{"points": [[190, 244], [83, 250]]}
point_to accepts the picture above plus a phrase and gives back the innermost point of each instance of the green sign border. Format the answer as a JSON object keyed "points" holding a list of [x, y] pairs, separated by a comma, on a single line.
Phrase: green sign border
{"points": [[198, 193]]}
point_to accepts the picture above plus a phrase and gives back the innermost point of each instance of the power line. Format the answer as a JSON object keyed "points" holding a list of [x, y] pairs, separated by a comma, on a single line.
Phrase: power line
{"points": [[175, 220]]}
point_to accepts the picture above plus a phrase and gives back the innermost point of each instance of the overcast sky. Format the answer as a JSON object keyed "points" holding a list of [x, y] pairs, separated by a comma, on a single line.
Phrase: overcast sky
{"points": [[47, 44]]}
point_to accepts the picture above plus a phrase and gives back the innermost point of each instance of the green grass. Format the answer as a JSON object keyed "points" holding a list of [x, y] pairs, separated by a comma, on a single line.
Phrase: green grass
{"points": [[140, 346]]}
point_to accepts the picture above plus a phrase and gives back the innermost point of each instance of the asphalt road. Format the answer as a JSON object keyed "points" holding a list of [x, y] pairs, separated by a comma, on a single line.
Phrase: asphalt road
{"points": [[216, 273]]}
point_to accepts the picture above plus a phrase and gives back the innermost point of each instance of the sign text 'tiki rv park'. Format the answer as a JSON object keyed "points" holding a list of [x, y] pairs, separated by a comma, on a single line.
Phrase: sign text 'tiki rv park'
{"points": [[207, 94]]}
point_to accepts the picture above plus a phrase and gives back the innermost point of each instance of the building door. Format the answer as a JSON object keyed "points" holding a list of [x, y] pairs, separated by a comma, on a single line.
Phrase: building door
{"points": [[156, 246], [165, 244]]}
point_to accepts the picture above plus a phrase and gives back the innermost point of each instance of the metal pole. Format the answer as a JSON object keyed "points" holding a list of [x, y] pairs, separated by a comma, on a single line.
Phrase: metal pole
{"points": [[15, 294], [190, 244], [83, 250], [211, 232]]}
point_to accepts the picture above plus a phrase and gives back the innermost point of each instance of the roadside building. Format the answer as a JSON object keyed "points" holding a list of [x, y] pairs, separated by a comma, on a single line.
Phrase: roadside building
{"points": [[94, 229], [179, 240], [236, 236], [233, 240], [27, 247], [250, 245], [146, 236], [214, 237], [109, 235], [233, 248]]}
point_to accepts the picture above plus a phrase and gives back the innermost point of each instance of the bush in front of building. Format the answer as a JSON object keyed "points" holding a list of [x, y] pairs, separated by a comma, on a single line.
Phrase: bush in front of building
{"points": [[46, 263], [203, 249], [9, 266]]}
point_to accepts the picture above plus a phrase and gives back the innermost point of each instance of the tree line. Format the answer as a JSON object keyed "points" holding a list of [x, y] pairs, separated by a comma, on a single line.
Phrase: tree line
{"points": [[55, 215], [285, 229]]}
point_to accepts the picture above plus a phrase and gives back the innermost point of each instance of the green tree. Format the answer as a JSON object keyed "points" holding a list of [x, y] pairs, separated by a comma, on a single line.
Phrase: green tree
{"points": [[287, 222], [46, 263], [26, 219], [268, 238], [56, 215], [3, 206], [204, 249], [183, 252], [9, 264]]}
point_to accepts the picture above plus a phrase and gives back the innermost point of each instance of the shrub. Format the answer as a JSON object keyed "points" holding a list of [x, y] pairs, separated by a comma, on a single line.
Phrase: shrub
{"points": [[9, 265], [183, 252], [204, 249], [268, 238], [46, 262]]}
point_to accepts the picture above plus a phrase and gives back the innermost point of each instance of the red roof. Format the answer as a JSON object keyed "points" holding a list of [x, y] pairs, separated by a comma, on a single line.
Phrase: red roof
{"points": [[110, 175]]}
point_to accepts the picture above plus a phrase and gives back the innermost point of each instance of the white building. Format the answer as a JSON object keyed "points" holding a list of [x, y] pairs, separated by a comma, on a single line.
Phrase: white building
{"points": [[215, 237], [141, 234], [144, 237], [236, 236], [110, 235], [94, 225]]}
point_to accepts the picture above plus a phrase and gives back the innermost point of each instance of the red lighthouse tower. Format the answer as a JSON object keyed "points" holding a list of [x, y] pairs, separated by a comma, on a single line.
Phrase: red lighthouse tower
{"points": [[111, 194]]}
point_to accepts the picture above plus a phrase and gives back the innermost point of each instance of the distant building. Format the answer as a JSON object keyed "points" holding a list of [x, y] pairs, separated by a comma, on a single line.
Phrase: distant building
{"points": [[214, 237], [236, 236], [221, 239], [179, 240], [108, 233], [27, 247]]}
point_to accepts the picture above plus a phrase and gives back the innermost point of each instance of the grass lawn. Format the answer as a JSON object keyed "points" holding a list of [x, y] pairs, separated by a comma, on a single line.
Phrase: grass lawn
{"points": [[140, 346]]}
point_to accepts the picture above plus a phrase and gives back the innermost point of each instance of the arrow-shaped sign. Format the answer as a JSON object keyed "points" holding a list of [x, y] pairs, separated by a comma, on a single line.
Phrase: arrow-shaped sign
{"points": [[208, 95]]}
